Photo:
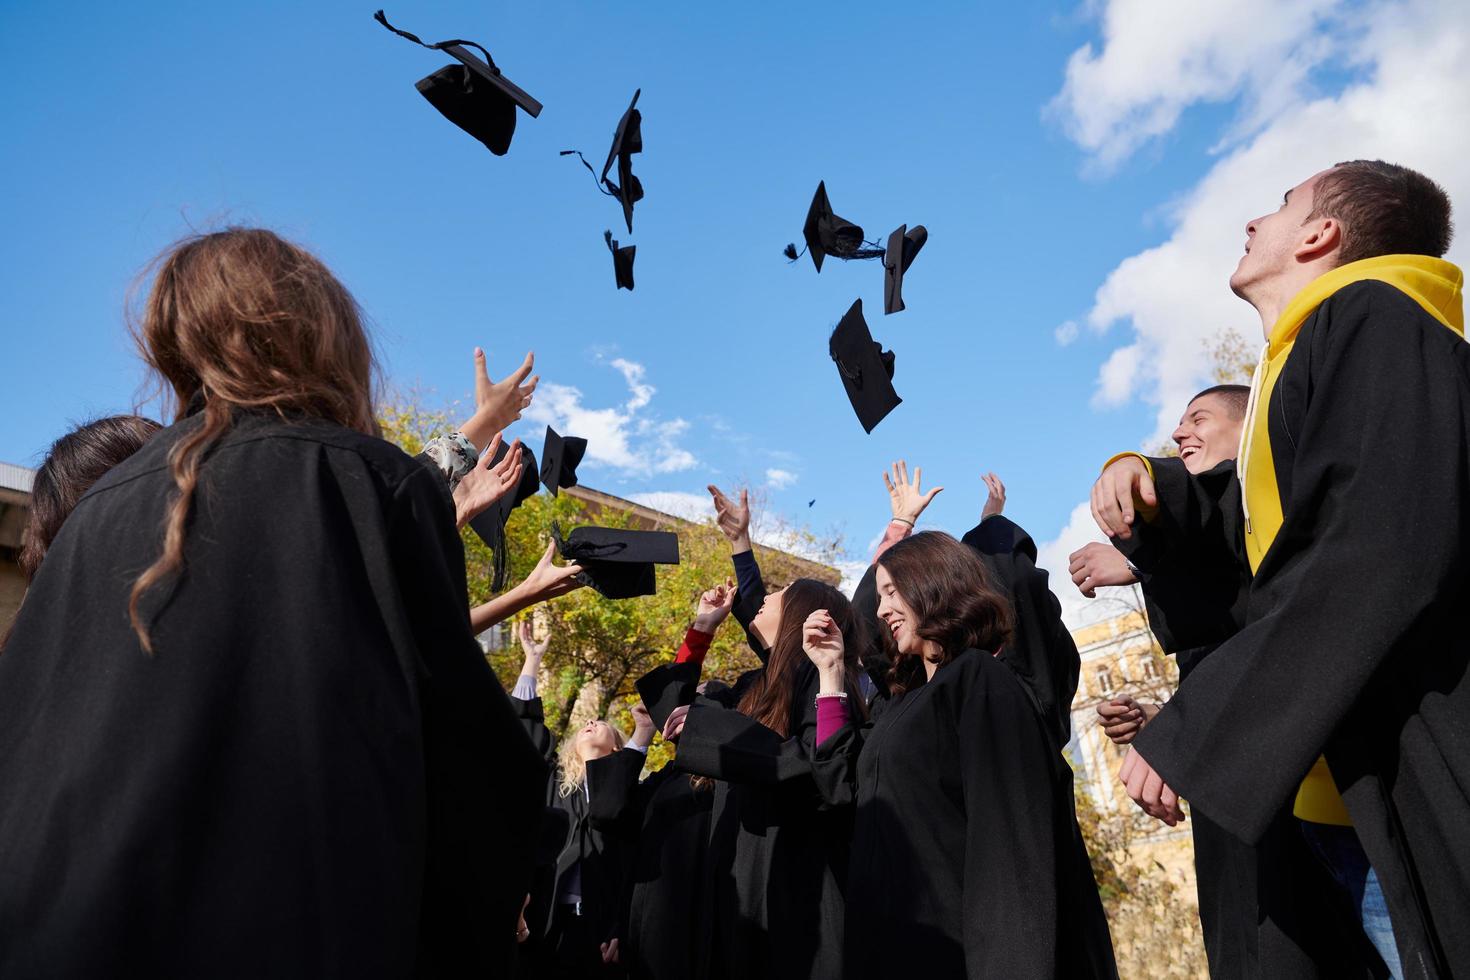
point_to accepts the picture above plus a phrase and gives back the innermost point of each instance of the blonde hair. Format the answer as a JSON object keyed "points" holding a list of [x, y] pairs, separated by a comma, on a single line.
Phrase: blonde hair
{"points": [[572, 767], [243, 319]]}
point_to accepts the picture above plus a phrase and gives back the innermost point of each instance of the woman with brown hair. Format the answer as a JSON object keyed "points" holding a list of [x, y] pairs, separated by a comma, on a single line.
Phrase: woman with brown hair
{"points": [[245, 729], [965, 848]]}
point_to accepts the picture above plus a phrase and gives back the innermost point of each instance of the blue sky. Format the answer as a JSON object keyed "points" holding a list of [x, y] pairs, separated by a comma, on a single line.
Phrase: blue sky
{"points": [[160, 118]]}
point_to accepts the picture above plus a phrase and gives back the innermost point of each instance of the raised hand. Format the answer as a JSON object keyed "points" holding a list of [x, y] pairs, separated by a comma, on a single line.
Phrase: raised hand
{"points": [[733, 519], [548, 580], [904, 496], [487, 482], [995, 502], [1123, 718], [674, 724], [529, 646], [821, 639], [498, 403], [642, 725], [1148, 789], [1095, 565], [1122, 487], [714, 605]]}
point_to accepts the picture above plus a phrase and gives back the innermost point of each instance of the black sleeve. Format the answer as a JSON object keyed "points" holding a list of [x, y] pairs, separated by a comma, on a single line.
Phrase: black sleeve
{"points": [[1041, 650], [533, 722], [1010, 901], [750, 592], [612, 790], [485, 780], [1345, 589]]}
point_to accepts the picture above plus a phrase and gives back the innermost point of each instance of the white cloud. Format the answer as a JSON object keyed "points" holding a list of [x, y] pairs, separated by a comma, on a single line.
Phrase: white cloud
{"points": [[1412, 93], [690, 506], [1158, 57], [624, 436], [779, 479], [1066, 333], [1054, 555]]}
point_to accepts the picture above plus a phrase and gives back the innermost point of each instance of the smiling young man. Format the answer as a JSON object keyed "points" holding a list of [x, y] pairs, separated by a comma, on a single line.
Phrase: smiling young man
{"points": [[1345, 697]]}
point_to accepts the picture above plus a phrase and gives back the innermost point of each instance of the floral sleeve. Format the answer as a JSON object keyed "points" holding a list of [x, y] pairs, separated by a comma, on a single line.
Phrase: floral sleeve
{"points": [[453, 455]]}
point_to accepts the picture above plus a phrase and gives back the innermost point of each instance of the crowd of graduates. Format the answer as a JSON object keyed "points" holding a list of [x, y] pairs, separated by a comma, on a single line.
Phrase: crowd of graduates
{"points": [[246, 728]]}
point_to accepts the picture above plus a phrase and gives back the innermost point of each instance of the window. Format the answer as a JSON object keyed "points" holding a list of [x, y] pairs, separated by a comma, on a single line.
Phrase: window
{"points": [[1104, 680], [1150, 668]]}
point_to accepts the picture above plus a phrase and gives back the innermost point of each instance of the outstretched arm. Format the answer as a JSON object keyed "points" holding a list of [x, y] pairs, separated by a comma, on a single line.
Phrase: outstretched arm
{"points": [[547, 581]]}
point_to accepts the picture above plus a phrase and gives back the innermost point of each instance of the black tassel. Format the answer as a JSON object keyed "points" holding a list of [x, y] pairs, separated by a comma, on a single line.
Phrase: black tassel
{"points": [[790, 251]]}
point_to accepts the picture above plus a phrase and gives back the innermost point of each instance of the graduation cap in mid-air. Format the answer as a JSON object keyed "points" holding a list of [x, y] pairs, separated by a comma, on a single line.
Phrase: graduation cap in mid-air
{"points": [[865, 368], [489, 524], [627, 140], [617, 562], [622, 261], [559, 458], [473, 94], [903, 246], [828, 234]]}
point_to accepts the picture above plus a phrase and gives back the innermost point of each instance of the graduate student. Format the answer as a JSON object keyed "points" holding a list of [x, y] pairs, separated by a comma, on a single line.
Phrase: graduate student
{"points": [[1260, 906], [965, 849], [1344, 697], [577, 930], [776, 850], [245, 729]]}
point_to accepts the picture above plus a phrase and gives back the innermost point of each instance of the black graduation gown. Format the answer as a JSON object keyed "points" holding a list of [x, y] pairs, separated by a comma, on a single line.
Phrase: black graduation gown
{"points": [[1268, 909], [777, 849], [966, 851], [1353, 645], [316, 772], [667, 819]]}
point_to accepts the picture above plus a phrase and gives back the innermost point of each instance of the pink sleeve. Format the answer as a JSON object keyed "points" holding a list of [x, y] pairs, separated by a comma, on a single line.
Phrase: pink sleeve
{"points": [[831, 717], [892, 535]]}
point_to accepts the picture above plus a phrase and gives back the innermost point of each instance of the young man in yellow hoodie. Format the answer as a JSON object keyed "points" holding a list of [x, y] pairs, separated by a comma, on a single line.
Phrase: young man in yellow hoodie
{"points": [[1345, 697]]}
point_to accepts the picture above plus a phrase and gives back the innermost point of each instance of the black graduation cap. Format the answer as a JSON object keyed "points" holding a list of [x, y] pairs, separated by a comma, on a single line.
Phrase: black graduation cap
{"points": [[903, 246], [622, 261], [559, 458], [618, 563], [666, 687], [827, 234], [627, 140], [865, 368], [489, 524], [473, 95]]}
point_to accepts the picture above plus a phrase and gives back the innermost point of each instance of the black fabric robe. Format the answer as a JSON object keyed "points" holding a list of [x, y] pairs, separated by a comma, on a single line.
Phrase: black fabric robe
{"points": [[966, 853], [667, 819], [777, 849], [1354, 641], [1268, 909], [316, 772]]}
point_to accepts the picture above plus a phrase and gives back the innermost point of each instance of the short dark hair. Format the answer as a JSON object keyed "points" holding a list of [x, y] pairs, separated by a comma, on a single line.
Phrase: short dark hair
{"points": [[1385, 209], [1235, 397], [953, 596]]}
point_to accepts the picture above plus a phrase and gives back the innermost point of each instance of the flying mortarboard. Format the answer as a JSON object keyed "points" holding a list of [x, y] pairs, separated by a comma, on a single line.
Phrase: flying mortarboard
{"points": [[903, 246], [559, 458], [827, 234], [473, 95], [489, 524], [627, 140], [618, 563], [865, 368], [622, 261]]}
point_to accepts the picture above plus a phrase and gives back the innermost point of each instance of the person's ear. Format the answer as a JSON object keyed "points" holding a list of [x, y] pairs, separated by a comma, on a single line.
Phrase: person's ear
{"points": [[1322, 236]]}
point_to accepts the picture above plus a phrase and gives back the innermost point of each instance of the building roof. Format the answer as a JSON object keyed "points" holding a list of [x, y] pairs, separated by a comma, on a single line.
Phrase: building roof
{"points": [[16, 477]]}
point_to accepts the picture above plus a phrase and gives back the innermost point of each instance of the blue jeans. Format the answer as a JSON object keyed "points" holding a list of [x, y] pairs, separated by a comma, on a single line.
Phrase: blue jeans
{"points": [[1339, 850]]}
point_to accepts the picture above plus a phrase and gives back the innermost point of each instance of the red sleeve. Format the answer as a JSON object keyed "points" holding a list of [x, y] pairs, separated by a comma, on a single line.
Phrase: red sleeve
{"points": [[695, 646], [895, 532]]}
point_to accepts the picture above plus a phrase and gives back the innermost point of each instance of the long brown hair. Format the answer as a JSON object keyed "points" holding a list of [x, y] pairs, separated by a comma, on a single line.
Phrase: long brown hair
{"points": [[243, 319], [769, 700], [953, 600]]}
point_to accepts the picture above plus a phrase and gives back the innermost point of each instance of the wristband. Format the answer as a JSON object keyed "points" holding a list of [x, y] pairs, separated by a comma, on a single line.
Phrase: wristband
{"points": [[902, 520], [834, 694]]}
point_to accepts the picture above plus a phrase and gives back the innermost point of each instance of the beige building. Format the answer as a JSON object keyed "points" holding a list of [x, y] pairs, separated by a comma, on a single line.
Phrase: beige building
{"points": [[1120, 656]]}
